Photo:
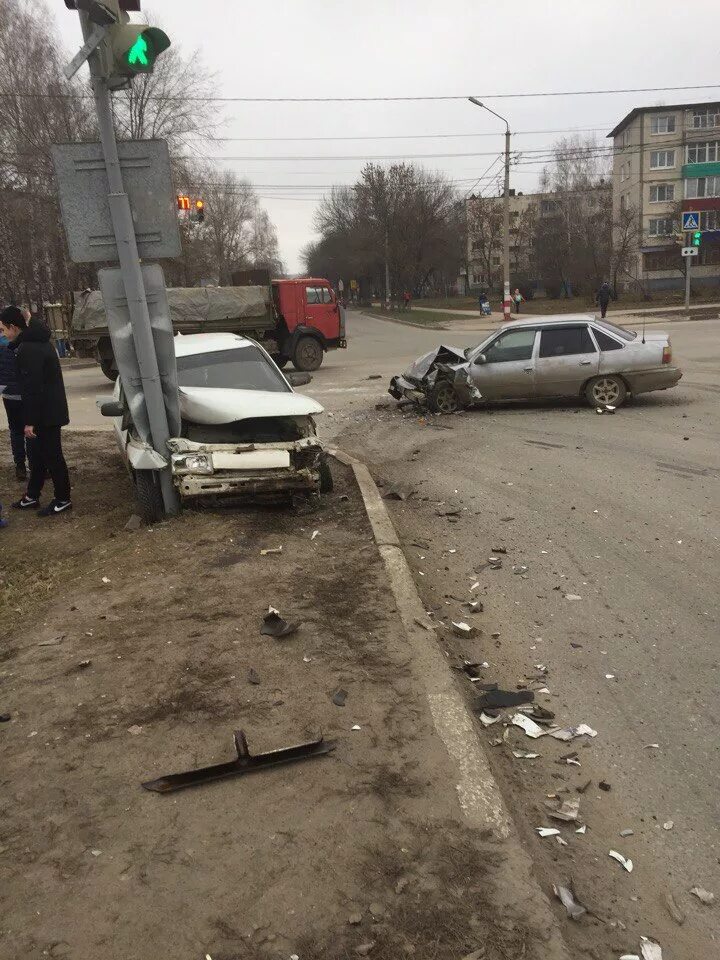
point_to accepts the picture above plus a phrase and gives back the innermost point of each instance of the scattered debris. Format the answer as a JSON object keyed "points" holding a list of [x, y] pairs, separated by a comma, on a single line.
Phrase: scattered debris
{"points": [[569, 810], [627, 833], [475, 605], [374, 376], [315, 533], [253, 676], [356, 726], [627, 863], [674, 910], [463, 629], [569, 733], [605, 786], [54, 642], [244, 763], [574, 909], [704, 896], [529, 726], [473, 669], [268, 550], [583, 787], [339, 697], [106, 579], [649, 949], [354, 919], [569, 758], [96, 853], [425, 626], [496, 699], [606, 409], [651, 746], [525, 756], [668, 825], [520, 569], [399, 491], [487, 721], [572, 596], [84, 664], [547, 831], [495, 563], [582, 829], [135, 729], [134, 523], [274, 626]]}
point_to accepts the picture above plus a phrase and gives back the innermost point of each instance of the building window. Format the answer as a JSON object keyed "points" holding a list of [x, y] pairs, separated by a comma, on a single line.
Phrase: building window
{"points": [[709, 117], [661, 226], [662, 193], [623, 203], [696, 187], [496, 261], [710, 219], [662, 159], [662, 125], [548, 206], [667, 259], [623, 173], [707, 152], [625, 138]]}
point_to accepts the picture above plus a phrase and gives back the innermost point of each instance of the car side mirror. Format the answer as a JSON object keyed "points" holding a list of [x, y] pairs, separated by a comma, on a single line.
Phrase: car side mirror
{"points": [[112, 408], [481, 358], [298, 379]]}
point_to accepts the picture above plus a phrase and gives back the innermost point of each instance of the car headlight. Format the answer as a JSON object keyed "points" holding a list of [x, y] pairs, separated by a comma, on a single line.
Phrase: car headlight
{"points": [[192, 463]]}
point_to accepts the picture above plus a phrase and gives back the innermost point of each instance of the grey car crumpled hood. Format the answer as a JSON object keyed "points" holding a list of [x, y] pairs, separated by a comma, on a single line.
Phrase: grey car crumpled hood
{"points": [[443, 363]]}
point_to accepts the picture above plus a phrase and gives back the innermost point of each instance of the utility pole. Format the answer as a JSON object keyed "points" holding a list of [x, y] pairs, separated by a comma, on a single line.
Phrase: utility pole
{"points": [[387, 268], [506, 210], [688, 261], [126, 241]]}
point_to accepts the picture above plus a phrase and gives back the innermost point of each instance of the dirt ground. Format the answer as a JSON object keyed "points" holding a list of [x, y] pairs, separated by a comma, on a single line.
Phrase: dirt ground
{"points": [[159, 629]]}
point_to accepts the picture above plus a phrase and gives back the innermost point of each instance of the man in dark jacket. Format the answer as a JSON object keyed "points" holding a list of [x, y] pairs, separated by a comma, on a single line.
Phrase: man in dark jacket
{"points": [[603, 298], [10, 391], [45, 410]]}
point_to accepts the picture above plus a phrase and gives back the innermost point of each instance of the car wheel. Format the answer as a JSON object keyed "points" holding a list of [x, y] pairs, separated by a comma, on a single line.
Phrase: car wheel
{"points": [[443, 399], [608, 391], [308, 354], [149, 495], [326, 477]]}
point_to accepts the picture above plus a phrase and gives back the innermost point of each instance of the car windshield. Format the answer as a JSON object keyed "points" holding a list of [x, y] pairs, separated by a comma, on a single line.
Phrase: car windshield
{"points": [[242, 368], [618, 331]]}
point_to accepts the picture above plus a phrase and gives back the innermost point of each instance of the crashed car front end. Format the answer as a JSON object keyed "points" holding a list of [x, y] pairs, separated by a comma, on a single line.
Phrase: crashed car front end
{"points": [[245, 469], [429, 376]]}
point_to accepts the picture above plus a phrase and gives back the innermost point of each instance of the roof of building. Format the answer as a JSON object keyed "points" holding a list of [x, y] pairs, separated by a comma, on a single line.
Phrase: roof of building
{"points": [[658, 108]]}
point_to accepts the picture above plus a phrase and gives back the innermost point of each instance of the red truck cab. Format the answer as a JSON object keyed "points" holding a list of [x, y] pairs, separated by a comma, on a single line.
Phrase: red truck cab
{"points": [[310, 321]]}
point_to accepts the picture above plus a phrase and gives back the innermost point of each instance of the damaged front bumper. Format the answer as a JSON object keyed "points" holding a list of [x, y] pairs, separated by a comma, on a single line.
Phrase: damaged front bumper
{"points": [[247, 469], [422, 381]]}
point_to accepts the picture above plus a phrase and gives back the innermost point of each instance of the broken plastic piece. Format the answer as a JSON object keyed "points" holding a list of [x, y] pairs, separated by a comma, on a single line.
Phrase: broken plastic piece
{"points": [[314, 534], [496, 699], [339, 697], [574, 909], [463, 629], [704, 896], [531, 728], [582, 829], [674, 910], [274, 625], [253, 676], [627, 833], [572, 596], [356, 726], [525, 756], [568, 811], [547, 831], [649, 949], [520, 569], [244, 763], [495, 563], [487, 721], [668, 825], [268, 550], [625, 862], [569, 733]]}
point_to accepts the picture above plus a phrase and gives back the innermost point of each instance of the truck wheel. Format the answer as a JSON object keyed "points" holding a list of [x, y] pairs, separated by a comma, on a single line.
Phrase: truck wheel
{"points": [[308, 354], [149, 496], [280, 360], [108, 368], [326, 477]]}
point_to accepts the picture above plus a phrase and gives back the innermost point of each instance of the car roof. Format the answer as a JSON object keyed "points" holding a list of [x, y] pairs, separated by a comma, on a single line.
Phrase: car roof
{"points": [[551, 321], [192, 343]]}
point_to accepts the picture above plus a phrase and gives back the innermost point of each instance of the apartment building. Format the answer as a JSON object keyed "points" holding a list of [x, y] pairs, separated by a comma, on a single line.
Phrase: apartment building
{"points": [[666, 160], [485, 238]]}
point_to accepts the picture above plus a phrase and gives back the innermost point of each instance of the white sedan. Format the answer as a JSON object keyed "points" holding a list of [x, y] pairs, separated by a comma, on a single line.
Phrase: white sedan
{"points": [[244, 431]]}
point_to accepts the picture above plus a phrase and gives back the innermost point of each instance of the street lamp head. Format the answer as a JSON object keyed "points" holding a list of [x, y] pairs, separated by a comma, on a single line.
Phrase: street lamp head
{"points": [[477, 102]]}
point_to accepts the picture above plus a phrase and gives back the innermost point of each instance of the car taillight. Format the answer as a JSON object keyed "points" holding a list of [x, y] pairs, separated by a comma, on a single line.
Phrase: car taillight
{"points": [[667, 354]]}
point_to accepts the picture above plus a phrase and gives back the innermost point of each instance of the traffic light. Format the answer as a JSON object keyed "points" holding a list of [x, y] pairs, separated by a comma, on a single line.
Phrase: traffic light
{"points": [[696, 238], [183, 202], [200, 211]]}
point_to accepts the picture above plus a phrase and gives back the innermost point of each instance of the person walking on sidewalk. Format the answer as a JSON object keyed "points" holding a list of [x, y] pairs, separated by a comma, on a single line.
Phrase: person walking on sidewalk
{"points": [[517, 299], [603, 297], [10, 391], [45, 410]]}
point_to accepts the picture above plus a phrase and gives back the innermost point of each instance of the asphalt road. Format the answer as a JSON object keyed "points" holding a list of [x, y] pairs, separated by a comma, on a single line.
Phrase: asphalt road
{"points": [[621, 511]]}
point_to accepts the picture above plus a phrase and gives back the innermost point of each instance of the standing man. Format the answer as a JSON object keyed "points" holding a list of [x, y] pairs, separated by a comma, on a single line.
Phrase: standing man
{"points": [[10, 390], [603, 297], [45, 410], [517, 299]]}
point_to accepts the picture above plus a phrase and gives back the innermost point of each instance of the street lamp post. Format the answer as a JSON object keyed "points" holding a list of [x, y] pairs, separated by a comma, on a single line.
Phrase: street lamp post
{"points": [[506, 210]]}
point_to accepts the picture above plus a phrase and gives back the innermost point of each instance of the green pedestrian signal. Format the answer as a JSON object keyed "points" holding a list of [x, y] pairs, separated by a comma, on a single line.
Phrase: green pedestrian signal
{"points": [[137, 47], [138, 52], [696, 238]]}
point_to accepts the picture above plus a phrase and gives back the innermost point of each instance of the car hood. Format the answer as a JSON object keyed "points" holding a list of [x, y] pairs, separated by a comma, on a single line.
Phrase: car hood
{"points": [[442, 354], [216, 405]]}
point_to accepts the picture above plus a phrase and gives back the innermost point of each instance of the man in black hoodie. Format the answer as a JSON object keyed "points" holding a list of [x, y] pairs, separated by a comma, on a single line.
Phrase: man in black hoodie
{"points": [[45, 410]]}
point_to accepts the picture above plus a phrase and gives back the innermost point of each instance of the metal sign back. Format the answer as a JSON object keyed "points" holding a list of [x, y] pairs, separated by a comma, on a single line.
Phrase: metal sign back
{"points": [[83, 190], [689, 251]]}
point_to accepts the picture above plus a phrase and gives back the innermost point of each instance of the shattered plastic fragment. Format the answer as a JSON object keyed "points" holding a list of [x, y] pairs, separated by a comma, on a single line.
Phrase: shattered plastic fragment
{"points": [[704, 896], [356, 726], [488, 721], [627, 863], [520, 569], [525, 756], [106, 579], [547, 831], [569, 733], [531, 728], [668, 825], [267, 550], [627, 833], [568, 811], [274, 625], [314, 534], [567, 898], [253, 676], [463, 629], [572, 596], [496, 699], [339, 697], [582, 829], [649, 949]]}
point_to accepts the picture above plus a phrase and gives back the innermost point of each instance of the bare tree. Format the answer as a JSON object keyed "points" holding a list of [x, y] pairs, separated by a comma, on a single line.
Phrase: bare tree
{"points": [[485, 234], [263, 247]]}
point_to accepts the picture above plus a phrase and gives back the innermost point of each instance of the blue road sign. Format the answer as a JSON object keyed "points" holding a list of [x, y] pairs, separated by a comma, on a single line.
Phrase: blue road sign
{"points": [[691, 220]]}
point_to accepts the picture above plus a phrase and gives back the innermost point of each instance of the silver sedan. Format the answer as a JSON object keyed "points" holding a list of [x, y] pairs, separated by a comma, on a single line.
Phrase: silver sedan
{"points": [[568, 356]]}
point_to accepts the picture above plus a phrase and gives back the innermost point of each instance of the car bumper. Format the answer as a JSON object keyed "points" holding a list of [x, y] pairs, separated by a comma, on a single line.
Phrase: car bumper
{"points": [[249, 484], [658, 379]]}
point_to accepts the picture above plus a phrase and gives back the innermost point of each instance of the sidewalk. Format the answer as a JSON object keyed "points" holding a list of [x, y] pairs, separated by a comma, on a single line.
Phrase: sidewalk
{"points": [[129, 655]]}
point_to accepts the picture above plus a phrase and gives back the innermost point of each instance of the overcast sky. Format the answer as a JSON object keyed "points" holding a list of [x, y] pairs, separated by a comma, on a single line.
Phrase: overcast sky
{"points": [[336, 48]]}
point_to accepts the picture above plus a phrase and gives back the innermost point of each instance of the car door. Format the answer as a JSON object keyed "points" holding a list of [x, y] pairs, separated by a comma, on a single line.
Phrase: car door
{"points": [[567, 358], [321, 310], [504, 370]]}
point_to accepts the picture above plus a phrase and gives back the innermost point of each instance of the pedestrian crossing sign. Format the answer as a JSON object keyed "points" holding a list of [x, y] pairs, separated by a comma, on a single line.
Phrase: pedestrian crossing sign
{"points": [[691, 220]]}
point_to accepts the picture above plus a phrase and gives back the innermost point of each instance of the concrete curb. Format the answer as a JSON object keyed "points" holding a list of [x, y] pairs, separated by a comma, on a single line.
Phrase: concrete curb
{"points": [[478, 791], [403, 323]]}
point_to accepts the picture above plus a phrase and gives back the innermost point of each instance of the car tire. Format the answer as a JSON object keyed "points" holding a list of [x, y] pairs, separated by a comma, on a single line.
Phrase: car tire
{"points": [[308, 354], [149, 495], [326, 477], [442, 398], [605, 391], [280, 360]]}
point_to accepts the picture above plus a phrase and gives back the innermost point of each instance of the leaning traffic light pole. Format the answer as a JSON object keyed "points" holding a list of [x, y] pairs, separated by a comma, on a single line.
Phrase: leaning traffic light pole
{"points": [[126, 50]]}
